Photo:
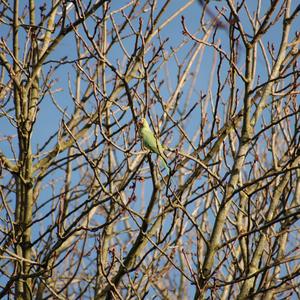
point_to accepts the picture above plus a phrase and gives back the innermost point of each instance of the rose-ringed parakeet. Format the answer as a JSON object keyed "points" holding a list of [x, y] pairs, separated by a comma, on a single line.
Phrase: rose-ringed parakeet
{"points": [[151, 142]]}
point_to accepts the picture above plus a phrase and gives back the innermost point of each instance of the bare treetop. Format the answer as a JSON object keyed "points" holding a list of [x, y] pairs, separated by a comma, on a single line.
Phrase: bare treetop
{"points": [[149, 149]]}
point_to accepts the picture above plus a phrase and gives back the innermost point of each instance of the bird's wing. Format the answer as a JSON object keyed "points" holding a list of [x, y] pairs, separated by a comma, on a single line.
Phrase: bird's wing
{"points": [[154, 145], [151, 142]]}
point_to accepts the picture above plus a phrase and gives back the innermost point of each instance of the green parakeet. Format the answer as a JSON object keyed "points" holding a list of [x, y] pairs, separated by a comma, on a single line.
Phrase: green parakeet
{"points": [[151, 142]]}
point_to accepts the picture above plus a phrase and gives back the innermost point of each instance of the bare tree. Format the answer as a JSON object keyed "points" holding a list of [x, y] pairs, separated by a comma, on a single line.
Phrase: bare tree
{"points": [[87, 212]]}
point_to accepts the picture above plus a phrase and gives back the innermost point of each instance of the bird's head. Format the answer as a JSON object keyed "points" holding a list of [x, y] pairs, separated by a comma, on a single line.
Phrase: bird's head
{"points": [[142, 123]]}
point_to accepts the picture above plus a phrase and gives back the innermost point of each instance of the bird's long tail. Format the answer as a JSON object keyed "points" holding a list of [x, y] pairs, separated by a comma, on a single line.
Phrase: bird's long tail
{"points": [[165, 163]]}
